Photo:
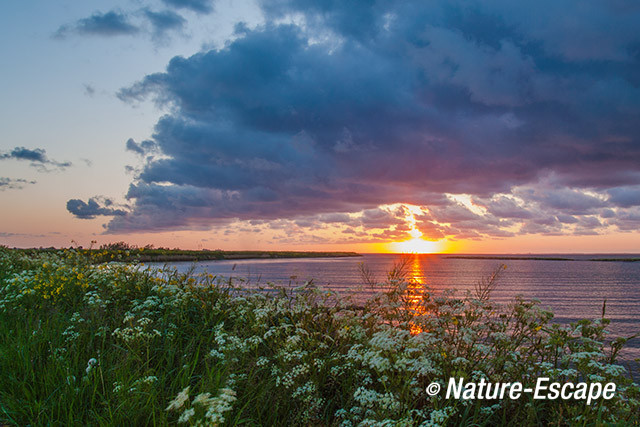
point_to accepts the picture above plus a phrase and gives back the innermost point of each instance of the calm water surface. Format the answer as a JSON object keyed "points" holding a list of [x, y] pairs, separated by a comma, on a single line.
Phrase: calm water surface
{"points": [[571, 289]]}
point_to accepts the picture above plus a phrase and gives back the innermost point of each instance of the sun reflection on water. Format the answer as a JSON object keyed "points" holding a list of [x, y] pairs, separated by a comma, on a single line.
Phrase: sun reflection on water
{"points": [[415, 292]]}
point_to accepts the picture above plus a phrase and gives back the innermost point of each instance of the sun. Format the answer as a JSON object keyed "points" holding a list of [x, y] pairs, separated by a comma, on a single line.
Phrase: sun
{"points": [[415, 246]]}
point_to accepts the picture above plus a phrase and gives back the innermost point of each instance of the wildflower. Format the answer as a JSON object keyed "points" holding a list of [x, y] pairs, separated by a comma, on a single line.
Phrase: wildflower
{"points": [[202, 399], [186, 415], [142, 381], [179, 400], [90, 364], [219, 405], [262, 361]]}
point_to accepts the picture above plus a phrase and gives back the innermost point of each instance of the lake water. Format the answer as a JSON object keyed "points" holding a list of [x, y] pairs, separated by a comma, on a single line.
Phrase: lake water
{"points": [[573, 290]]}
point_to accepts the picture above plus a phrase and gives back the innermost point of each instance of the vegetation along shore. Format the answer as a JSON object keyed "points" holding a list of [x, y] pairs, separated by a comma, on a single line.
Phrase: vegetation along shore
{"points": [[124, 252], [86, 343]]}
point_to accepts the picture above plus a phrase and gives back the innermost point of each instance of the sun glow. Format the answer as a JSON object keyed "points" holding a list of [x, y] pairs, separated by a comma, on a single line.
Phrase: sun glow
{"points": [[416, 245]]}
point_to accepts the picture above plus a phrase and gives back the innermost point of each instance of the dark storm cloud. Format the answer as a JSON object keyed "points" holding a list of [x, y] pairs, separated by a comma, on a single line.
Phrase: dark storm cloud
{"points": [[336, 218], [37, 157], [567, 219], [200, 6], [565, 200], [375, 103], [625, 196], [92, 208], [112, 23], [381, 218]]}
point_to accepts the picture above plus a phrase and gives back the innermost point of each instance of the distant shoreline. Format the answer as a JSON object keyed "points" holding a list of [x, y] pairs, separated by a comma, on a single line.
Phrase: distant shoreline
{"points": [[182, 255], [178, 255], [240, 255]]}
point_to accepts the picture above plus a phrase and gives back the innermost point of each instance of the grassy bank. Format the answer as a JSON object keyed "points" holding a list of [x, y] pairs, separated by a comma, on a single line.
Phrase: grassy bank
{"points": [[84, 343], [146, 254]]}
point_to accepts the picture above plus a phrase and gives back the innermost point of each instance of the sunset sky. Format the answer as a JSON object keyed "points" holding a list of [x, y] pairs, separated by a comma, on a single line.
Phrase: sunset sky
{"points": [[469, 126]]}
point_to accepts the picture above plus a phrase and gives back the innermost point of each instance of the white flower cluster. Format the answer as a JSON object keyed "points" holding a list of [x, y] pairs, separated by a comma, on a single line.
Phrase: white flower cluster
{"points": [[231, 345], [136, 333], [71, 333], [92, 299], [211, 408]]}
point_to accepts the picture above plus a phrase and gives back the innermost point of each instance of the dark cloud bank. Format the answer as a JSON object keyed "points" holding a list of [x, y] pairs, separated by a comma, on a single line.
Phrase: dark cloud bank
{"points": [[533, 109]]}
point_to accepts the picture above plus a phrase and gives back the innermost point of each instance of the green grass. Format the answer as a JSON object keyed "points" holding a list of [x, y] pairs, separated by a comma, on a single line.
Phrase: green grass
{"points": [[127, 253], [94, 344]]}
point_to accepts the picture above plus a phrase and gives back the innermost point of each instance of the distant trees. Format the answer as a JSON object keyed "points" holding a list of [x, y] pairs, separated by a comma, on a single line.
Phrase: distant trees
{"points": [[118, 246], [123, 246]]}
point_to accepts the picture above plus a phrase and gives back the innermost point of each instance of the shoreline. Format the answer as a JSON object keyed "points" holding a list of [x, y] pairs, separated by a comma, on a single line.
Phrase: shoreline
{"points": [[182, 255], [241, 255]]}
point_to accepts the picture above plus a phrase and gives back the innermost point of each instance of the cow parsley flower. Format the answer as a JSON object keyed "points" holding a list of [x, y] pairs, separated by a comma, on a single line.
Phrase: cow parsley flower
{"points": [[186, 416], [179, 400]]}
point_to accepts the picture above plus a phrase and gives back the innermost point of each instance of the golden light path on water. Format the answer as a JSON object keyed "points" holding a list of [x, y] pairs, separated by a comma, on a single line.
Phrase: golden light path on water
{"points": [[416, 290]]}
